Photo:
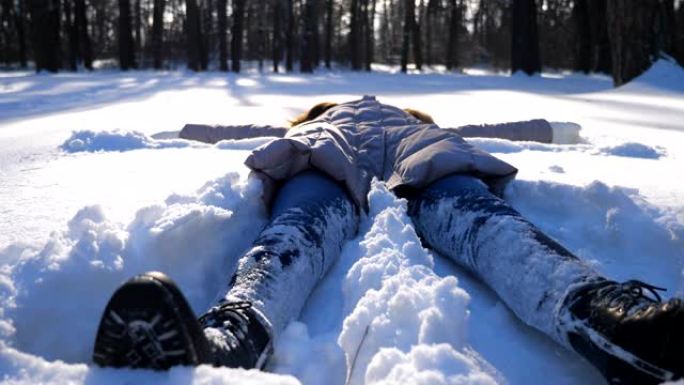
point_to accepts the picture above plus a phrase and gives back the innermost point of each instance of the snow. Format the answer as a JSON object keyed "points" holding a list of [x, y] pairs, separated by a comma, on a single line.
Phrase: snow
{"points": [[88, 140], [89, 196]]}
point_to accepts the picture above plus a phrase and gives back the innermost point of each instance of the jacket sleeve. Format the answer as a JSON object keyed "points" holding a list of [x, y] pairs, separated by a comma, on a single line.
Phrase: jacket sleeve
{"points": [[212, 134], [538, 130]]}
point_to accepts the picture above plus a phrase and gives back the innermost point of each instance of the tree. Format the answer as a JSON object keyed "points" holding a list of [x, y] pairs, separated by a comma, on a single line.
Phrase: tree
{"points": [[454, 26], [633, 41], [581, 16], [601, 52], [236, 42], [45, 34], [193, 36], [221, 9], [85, 47], [370, 34], [525, 42], [678, 52], [308, 40], [276, 43], [289, 37], [72, 35], [126, 46], [355, 35], [409, 20], [158, 33], [329, 31], [417, 44], [20, 20]]}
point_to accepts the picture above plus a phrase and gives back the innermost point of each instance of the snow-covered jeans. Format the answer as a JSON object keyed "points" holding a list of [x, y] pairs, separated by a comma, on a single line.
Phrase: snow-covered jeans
{"points": [[459, 218], [312, 217]]}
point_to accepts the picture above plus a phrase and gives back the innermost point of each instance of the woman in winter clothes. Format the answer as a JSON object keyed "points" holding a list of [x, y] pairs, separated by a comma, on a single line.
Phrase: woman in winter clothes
{"points": [[316, 177]]}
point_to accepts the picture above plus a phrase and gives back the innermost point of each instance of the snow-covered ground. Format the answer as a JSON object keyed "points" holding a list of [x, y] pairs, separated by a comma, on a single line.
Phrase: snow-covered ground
{"points": [[89, 197]]}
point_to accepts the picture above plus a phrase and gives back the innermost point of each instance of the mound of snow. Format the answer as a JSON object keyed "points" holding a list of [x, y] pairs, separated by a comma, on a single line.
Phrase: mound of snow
{"points": [[51, 299], [664, 74], [19, 368], [404, 322], [92, 141], [503, 146], [121, 141], [632, 150], [623, 235]]}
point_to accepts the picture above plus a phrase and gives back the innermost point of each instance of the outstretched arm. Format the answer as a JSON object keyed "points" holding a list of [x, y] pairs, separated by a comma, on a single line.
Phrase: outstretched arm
{"points": [[212, 134], [537, 130]]}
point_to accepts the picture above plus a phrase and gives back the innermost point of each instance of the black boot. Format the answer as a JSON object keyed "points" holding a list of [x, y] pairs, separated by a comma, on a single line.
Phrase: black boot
{"points": [[238, 335], [149, 324], [631, 337]]}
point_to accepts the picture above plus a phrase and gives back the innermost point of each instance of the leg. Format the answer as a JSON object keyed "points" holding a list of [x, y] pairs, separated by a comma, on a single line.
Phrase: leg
{"points": [[531, 273], [311, 218], [148, 323], [624, 329]]}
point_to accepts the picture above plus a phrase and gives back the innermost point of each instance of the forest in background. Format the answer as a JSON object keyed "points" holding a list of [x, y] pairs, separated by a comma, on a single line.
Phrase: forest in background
{"points": [[616, 37]]}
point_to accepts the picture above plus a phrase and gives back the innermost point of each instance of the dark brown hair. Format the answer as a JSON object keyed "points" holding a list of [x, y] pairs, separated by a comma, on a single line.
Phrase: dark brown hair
{"points": [[420, 115], [312, 114], [320, 108]]}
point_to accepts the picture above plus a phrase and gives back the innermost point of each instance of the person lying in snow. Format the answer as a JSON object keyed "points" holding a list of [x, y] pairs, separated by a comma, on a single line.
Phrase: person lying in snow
{"points": [[316, 177]]}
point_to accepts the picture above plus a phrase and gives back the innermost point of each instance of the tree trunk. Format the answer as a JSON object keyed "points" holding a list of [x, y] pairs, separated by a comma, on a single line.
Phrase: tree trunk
{"points": [[193, 35], [289, 37], [370, 36], [85, 46], [261, 14], [581, 16], [409, 20], [355, 36], [454, 24], [386, 33], [679, 35], [670, 26], [601, 52], [70, 28], [20, 18], [429, 21], [236, 35], [45, 36], [138, 29], [328, 32], [632, 38], [525, 42], [277, 34], [158, 33], [126, 52], [306, 54], [222, 38], [417, 44]]}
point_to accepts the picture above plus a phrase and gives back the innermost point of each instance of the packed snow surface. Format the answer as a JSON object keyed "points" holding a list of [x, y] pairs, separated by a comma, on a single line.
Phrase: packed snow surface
{"points": [[95, 187]]}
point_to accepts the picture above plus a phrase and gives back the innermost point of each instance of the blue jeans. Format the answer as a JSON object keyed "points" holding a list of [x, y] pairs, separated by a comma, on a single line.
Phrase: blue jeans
{"points": [[458, 217], [312, 216]]}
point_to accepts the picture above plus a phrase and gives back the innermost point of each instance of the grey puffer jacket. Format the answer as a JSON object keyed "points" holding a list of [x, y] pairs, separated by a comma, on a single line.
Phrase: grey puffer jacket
{"points": [[356, 141]]}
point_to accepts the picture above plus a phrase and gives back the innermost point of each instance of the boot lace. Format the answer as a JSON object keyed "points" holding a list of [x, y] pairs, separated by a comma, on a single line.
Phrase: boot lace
{"points": [[630, 294], [229, 316]]}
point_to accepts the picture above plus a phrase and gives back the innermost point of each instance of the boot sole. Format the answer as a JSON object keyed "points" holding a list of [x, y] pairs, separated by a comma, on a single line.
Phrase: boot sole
{"points": [[149, 324]]}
